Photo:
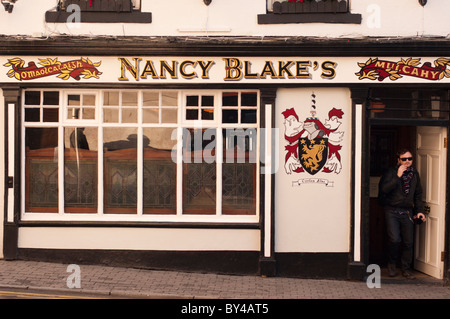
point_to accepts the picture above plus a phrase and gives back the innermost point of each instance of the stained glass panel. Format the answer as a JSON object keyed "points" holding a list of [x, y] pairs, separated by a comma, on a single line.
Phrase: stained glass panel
{"points": [[199, 188], [238, 188], [120, 170], [239, 172], [160, 171], [41, 169], [80, 170]]}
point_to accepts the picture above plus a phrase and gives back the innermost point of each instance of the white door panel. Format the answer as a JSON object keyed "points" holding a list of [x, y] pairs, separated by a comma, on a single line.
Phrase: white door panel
{"points": [[431, 164]]}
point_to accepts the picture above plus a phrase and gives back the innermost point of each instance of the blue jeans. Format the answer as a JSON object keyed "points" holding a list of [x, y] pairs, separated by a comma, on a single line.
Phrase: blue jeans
{"points": [[400, 232]]}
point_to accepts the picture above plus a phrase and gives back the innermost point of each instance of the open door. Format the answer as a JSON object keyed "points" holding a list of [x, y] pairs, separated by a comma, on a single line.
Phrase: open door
{"points": [[432, 165]]}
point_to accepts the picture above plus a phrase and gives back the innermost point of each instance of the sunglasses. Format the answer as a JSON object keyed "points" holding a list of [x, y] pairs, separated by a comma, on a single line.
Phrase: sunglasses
{"points": [[406, 159]]}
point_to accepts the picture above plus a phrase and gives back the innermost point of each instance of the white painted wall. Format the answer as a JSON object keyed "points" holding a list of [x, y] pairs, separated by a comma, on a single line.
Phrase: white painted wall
{"points": [[381, 18], [182, 239], [313, 217], [2, 169]]}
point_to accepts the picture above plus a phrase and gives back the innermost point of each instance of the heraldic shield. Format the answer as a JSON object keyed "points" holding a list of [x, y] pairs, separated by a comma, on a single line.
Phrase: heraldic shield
{"points": [[313, 154]]}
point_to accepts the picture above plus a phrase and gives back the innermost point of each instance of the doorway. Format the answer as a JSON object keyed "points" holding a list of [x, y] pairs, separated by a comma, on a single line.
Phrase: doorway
{"points": [[427, 145]]}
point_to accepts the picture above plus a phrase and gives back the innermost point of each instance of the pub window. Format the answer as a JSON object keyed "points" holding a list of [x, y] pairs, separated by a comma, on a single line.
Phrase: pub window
{"points": [[81, 106], [41, 107], [146, 154], [103, 5], [219, 158], [106, 11], [200, 107], [308, 11], [431, 104]]}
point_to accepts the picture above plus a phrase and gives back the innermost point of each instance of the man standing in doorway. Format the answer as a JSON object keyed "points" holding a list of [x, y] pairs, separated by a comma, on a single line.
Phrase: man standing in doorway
{"points": [[400, 192]]}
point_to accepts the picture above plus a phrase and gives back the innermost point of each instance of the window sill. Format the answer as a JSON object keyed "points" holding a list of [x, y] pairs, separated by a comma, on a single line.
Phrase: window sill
{"points": [[100, 17], [285, 18]]}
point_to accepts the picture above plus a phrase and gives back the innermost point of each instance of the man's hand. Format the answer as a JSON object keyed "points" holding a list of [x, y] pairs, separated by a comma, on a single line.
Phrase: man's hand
{"points": [[422, 217], [400, 170]]}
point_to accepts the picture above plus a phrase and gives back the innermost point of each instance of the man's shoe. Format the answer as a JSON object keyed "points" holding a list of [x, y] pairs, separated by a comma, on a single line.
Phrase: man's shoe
{"points": [[392, 270], [408, 275]]}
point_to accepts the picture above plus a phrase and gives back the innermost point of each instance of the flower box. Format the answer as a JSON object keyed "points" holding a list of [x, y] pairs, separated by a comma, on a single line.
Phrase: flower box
{"points": [[311, 6], [101, 5]]}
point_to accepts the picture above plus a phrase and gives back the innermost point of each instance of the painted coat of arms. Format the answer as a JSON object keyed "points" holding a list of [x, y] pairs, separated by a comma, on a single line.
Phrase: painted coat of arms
{"points": [[313, 154], [313, 146]]}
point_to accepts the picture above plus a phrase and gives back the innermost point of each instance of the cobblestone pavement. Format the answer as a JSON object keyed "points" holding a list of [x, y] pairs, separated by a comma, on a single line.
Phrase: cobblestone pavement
{"points": [[140, 283]]}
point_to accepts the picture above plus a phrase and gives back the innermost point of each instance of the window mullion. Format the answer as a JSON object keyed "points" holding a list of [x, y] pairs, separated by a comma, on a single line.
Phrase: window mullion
{"points": [[219, 162], [179, 172], [120, 107], [41, 108], [100, 161], [219, 151], [140, 171], [61, 204], [140, 160], [160, 107], [179, 156]]}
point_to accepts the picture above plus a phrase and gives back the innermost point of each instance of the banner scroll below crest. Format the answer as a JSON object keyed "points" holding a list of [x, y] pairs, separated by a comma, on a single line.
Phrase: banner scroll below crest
{"points": [[76, 69]]}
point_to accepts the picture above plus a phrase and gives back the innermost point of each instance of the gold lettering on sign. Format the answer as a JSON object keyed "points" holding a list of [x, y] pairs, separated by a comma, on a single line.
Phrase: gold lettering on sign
{"points": [[235, 69], [186, 69]]}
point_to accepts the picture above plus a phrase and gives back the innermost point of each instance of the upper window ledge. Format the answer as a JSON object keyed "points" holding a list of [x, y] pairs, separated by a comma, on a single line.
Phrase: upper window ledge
{"points": [[330, 11], [274, 18], [99, 17]]}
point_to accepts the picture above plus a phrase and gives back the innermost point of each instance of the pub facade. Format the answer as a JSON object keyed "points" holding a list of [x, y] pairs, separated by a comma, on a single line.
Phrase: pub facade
{"points": [[250, 142]]}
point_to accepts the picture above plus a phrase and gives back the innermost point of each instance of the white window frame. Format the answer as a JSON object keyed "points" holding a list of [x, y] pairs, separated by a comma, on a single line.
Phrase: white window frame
{"points": [[65, 109], [180, 125]]}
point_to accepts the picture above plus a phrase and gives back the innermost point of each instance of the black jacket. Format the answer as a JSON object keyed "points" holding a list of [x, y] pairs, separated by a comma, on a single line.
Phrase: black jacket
{"points": [[390, 192]]}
